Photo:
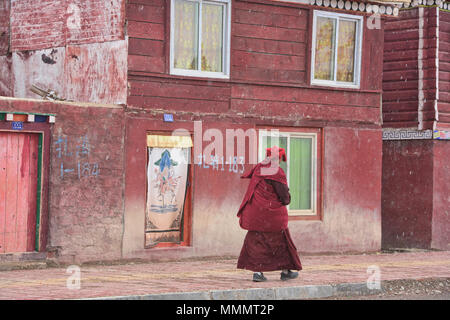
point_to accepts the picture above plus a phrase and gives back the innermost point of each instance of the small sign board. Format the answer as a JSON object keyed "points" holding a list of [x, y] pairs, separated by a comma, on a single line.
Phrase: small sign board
{"points": [[17, 125], [168, 117]]}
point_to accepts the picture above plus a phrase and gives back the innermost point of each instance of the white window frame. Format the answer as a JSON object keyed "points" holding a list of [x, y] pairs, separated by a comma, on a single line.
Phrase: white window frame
{"points": [[226, 42], [358, 49], [288, 134]]}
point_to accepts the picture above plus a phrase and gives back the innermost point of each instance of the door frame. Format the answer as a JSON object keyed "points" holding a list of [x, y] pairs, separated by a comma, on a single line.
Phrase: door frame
{"points": [[43, 129]]}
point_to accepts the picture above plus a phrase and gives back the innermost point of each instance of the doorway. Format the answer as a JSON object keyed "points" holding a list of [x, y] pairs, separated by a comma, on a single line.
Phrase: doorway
{"points": [[19, 180], [169, 185]]}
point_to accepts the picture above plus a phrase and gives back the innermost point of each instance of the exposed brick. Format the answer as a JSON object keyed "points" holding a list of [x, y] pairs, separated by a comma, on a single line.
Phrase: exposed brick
{"points": [[4, 27], [65, 22]]}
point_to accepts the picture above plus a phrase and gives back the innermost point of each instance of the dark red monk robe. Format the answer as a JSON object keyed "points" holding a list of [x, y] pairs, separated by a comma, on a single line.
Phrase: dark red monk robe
{"points": [[268, 245]]}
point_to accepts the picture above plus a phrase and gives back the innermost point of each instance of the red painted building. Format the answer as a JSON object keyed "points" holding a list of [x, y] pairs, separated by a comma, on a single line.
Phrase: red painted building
{"points": [[416, 128], [230, 73]]}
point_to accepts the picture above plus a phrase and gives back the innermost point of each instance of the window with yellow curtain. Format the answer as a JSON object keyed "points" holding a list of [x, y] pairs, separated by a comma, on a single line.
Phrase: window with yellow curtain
{"points": [[336, 49], [200, 37]]}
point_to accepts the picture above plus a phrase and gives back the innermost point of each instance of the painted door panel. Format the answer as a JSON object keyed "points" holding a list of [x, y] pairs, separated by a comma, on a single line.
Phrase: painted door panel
{"points": [[18, 186]]}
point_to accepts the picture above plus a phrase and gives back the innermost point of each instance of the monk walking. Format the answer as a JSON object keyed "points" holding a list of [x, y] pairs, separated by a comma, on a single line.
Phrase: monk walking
{"points": [[268, 245]]}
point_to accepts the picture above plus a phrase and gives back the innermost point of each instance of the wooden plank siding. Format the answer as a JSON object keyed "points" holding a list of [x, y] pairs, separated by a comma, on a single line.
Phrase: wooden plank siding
{"points": [[269, 71], [430, 78], [401, 70], [146, 32], [444, 71], [400, 73]]}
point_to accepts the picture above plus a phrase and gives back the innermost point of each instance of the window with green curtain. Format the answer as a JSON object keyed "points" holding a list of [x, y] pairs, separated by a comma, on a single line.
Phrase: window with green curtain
{"points": [[299, 170]]}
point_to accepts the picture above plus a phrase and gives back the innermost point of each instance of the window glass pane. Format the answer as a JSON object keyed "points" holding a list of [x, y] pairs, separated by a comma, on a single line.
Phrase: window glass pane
{"points": [[346, 51], [300, 173], [269, 142], [212, 37], [325, 46], [185, 35]]}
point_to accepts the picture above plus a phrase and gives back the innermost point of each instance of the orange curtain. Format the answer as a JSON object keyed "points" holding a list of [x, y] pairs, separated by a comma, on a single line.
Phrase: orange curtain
{"points": [[186, 35], [212, 37], [324, 56], [346, 51]]}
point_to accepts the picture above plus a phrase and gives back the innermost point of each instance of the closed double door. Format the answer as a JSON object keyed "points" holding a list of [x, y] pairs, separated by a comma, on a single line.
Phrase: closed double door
{"points": [[18, 191]]}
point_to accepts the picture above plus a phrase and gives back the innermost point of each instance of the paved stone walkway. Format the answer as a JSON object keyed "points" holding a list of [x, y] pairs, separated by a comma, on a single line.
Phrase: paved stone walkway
{"points": [[206, 275]]}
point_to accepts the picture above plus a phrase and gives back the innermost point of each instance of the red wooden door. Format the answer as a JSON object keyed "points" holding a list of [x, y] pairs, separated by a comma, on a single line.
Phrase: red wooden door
{"points": [[18, 188]]}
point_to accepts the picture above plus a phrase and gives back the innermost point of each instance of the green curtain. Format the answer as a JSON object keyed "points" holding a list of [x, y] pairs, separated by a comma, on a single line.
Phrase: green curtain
{"points": [[212, 37], [300, 173], [186, 35], [324, 54], [300, 169], [269, 142], [346, 51]]}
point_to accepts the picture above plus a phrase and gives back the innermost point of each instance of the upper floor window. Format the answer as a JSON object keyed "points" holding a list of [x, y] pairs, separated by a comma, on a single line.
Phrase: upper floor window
{"points": [[336, 49], [200, 38]]}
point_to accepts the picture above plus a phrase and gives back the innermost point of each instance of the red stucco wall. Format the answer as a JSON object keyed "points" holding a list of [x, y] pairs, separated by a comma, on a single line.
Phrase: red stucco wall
{"points": [[407, 198], [415, 193], [351, 215], [441, 196]]}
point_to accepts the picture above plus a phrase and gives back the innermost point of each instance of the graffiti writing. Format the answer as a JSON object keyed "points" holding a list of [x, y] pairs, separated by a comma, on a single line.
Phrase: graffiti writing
{"points": [[79, 165], [232, 164]]}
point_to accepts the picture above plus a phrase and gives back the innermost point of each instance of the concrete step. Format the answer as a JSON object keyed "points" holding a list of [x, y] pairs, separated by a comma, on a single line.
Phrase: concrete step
{"points": [[23, 261], [23, 256]]}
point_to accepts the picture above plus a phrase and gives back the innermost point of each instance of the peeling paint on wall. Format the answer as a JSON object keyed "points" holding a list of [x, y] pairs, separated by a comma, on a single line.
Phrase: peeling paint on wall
{"points": [[96, 72], [29, 68], [4, 27], [6, 85], [86, 73]]}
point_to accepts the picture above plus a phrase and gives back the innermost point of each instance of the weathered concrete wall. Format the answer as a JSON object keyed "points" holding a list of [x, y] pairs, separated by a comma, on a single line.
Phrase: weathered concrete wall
{"points": [[75, 48], [4, 27], [6, 84], [86, 73], [86, 177], [57, 23]]}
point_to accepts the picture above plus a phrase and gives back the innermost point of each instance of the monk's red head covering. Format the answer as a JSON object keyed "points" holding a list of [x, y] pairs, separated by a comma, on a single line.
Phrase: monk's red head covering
{"points": [[274, 150]]}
